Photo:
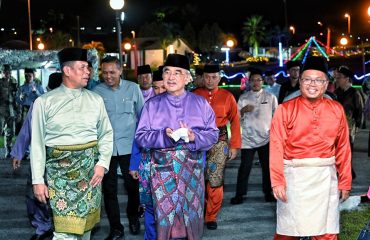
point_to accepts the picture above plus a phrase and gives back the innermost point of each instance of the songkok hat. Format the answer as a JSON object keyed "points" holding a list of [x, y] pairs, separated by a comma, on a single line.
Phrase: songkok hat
{"points": [[7, 67], [345, 71], [55, 79], [316, 63], [29, 70], [72, 54], [157, 75], [144, 69], [211, 68], [177, 60], [199, 71], [255, 71], [291, 64]]}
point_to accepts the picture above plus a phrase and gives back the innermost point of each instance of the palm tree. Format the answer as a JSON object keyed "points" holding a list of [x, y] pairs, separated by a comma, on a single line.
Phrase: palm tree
{"points": [[254, 32]]}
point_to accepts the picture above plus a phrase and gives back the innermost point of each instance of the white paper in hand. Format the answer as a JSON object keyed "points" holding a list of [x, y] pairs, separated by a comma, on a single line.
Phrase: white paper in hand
{"points": [[180, 133]]}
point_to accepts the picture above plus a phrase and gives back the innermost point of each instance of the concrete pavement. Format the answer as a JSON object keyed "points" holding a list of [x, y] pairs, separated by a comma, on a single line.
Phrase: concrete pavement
{"points": [[252, 220]]}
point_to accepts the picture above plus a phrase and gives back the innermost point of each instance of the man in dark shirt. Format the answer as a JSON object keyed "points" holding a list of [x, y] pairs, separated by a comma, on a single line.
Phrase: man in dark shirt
{"points": [[288, 87]]}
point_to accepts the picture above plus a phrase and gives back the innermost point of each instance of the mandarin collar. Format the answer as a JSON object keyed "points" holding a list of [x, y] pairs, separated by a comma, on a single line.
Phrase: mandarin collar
{"points": [[311, 104]]}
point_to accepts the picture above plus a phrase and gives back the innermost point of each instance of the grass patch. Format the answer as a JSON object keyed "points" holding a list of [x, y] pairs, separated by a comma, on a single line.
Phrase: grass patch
{"points": [[351, 222]]}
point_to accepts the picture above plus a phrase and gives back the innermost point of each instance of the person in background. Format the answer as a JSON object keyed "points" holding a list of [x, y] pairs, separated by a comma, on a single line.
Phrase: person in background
{"points": [[92, 83], [158, 84], [292, 85], [28, 92], [272, 86], [310, 159], [177, 127], [8, 108], [72, 138], [123, 101], [198, 80], [145, 79], [139, 169], [367, 115], [225, 107], [256, 109], [352, 102], [38, 213]]}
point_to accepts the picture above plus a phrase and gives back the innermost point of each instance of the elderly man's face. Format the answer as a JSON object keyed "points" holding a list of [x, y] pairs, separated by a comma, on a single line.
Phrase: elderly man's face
{"points": [[313, 84], [211, 80], [111, 73], [77, 74], [175, 79], [145, 80]]}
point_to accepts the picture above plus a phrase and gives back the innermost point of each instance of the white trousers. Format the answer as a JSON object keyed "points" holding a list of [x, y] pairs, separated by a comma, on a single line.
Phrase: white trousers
{"points": [[69, 236]]}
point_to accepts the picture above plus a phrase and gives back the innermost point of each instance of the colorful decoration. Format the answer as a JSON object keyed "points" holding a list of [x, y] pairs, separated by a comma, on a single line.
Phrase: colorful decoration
{"points": [[196, 59]]}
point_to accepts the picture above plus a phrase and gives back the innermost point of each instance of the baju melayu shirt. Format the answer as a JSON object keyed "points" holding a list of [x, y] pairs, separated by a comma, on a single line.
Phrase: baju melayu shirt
{"points": [[68, 116], [256, 124], [304, 129], [147, 94], [167, 111], [226, 110], [123, 106]]}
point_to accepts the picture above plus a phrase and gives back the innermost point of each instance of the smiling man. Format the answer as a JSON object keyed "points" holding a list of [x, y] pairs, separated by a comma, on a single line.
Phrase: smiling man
{"points": [[123, 101], [310, 159], [72, 138], [176, 167]]}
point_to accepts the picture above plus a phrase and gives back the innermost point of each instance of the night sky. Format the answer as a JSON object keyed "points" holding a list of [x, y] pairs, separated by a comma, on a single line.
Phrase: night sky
{"points": [[230, 15]]}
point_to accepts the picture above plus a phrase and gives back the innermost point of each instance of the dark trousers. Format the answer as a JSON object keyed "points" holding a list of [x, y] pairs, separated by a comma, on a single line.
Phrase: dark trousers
{"points": [[110, 192], [247, 156]]}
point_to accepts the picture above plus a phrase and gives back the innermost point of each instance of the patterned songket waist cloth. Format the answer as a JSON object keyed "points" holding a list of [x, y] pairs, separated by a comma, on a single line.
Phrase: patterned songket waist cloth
{"points": [[74, 202]]}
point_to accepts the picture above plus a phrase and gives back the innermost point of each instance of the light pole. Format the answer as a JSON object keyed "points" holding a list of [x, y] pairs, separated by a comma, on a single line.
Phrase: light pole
{"points": [[327, 37], [349, 22], [134, 46], [29, 23], [291, 28], [118, 5]]}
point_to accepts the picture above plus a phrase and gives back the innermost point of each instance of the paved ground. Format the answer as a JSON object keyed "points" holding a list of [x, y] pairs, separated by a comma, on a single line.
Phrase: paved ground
{"points": [[252, 220]]}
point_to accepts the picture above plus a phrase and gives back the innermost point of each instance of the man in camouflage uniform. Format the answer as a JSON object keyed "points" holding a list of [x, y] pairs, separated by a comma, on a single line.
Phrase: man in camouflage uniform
{"points": [[8, 89]]}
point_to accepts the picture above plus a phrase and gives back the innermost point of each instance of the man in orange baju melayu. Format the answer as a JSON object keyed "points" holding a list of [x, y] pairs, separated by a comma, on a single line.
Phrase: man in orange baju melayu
{"points": [[310, 159], [225, 107]]}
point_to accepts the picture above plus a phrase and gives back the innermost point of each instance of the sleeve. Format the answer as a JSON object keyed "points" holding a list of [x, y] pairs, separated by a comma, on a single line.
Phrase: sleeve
{"points": [[274, 103], [135, 157], [140, 102], [343, 155], [234, 118], [358, 111], [38, 151], [208, 136], [105, 137], [278, 137], [147, 137], [23, 140]]}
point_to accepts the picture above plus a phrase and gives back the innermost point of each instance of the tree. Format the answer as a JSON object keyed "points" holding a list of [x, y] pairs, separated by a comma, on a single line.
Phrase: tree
{"points": [[253, 32], [57, 40]]}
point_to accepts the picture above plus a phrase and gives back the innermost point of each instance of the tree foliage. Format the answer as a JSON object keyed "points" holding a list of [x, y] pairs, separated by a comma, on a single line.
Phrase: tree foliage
{"points": [[254, 32]]}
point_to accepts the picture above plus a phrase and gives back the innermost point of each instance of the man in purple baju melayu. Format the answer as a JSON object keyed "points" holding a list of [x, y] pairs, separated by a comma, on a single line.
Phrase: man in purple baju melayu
{"points": [[177, 127]]}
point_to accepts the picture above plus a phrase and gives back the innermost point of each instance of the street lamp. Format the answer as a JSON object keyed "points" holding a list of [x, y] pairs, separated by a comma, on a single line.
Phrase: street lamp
{"points": [[134, 46], [29, 23], [349, 22], [327, 37], [118, 5], [291, 28]]}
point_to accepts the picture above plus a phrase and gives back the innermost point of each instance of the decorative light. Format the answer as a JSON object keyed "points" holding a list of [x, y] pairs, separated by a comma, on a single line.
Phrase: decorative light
{"points": [[127, 46], [41, 46], [343, 41], [230, 43]]}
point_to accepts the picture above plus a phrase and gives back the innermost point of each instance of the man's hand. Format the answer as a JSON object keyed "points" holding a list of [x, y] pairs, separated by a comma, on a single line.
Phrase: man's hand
{"points": [[134, 174], [169, 132], [247, 108], [232, 153], [97, 178], [41, 192], [344, 195], [16, 163], [280, 193]]}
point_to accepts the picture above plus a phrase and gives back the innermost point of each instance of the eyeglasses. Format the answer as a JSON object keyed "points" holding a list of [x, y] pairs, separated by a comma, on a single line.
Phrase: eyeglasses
{"points": [[318, 82], [175, 74]]}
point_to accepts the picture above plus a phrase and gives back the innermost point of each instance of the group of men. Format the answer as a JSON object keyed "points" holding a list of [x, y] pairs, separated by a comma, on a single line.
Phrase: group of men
{"points": [[172, 146]]}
